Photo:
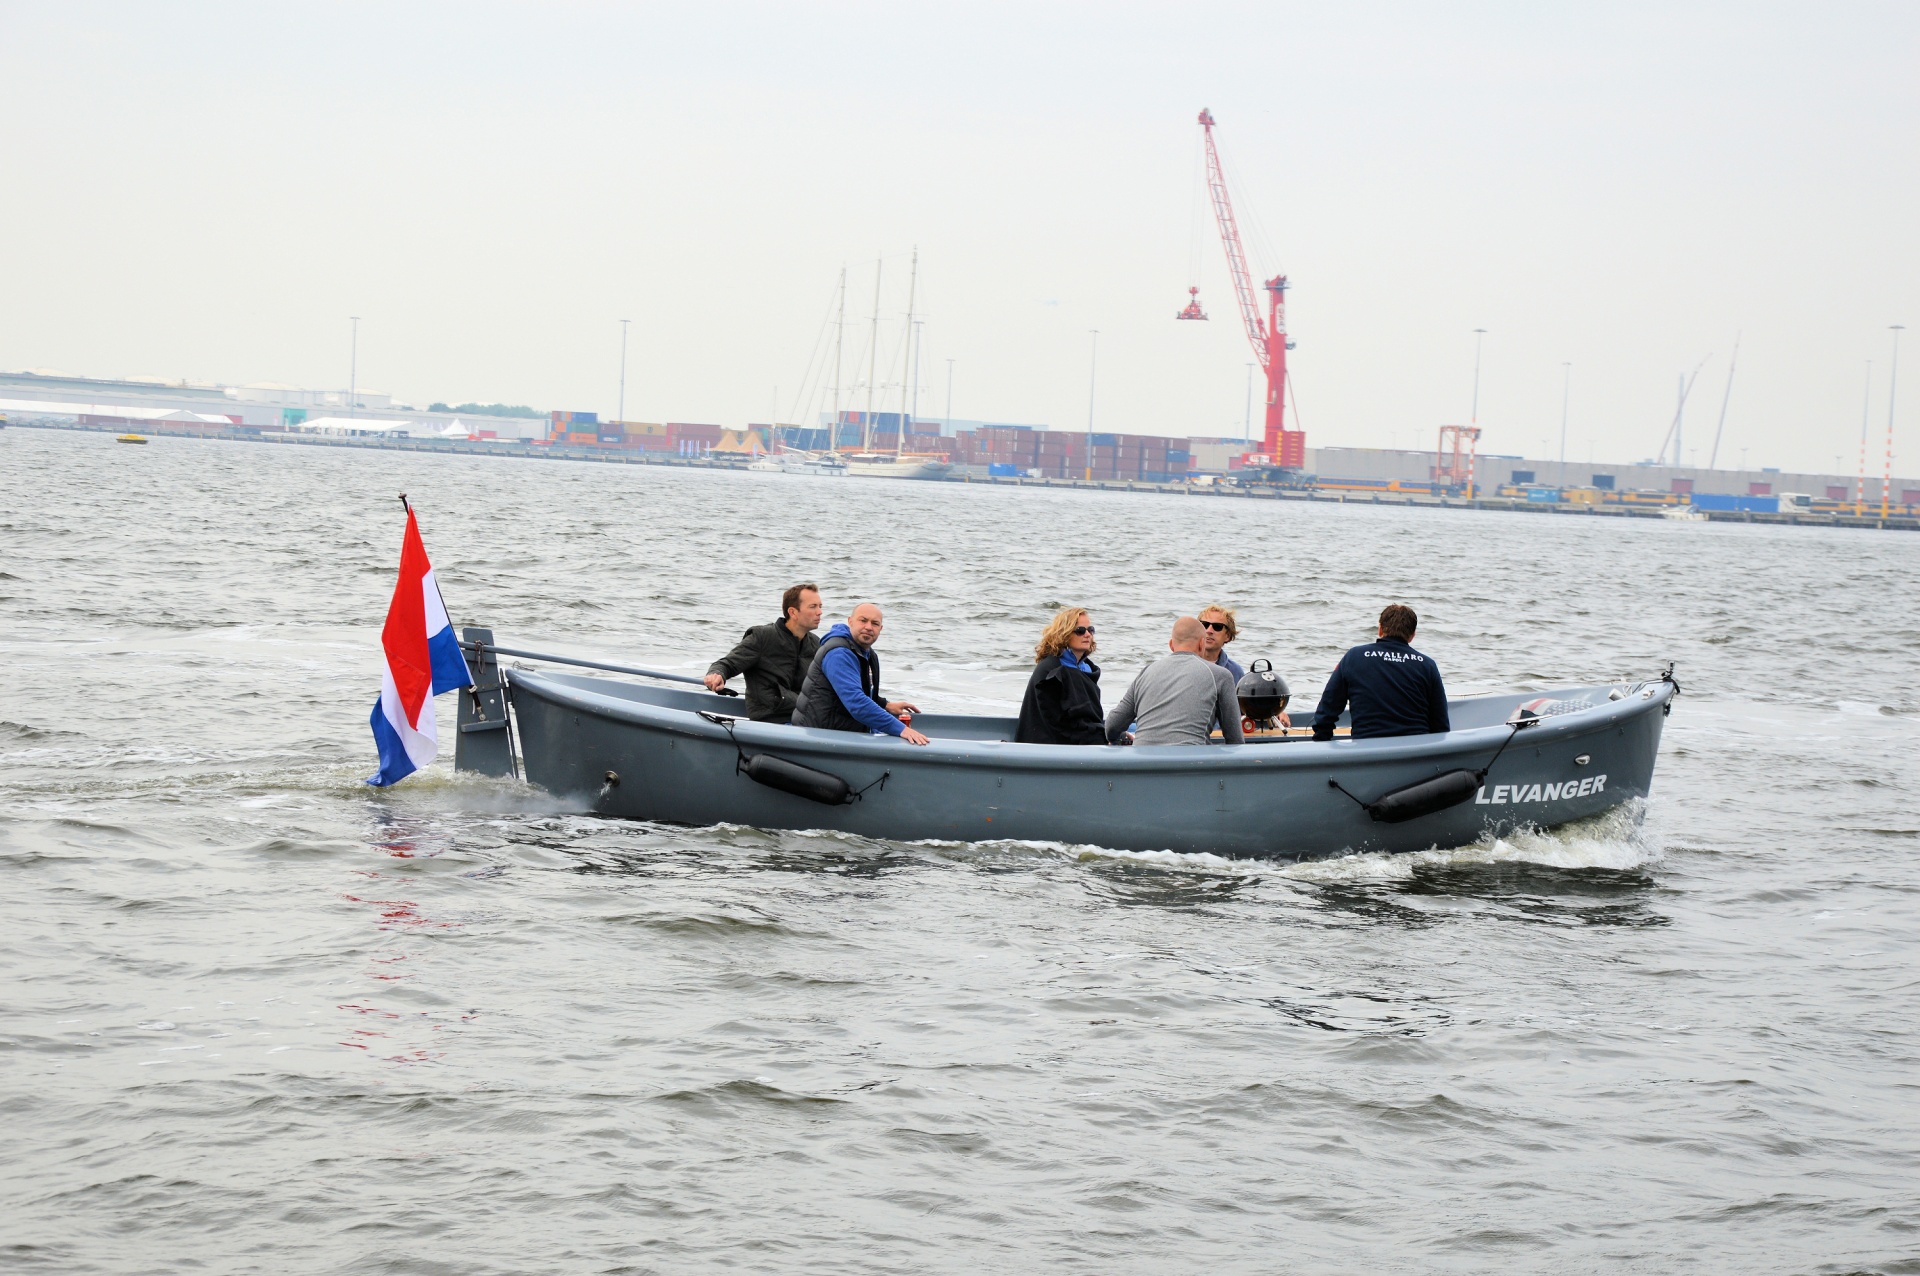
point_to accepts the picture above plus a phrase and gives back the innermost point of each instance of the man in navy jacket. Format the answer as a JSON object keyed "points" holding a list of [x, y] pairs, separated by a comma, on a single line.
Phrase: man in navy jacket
{"points": [[1394, 690], [841, 692]]}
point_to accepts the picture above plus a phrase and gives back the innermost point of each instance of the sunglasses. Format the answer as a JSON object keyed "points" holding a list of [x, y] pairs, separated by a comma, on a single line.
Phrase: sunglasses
{"points": [[1082, 629], [1214, 624]]}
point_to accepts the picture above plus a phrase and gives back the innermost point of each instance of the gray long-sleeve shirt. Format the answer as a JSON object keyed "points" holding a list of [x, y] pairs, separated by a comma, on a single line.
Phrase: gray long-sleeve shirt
{"points": [[1176, 700]]}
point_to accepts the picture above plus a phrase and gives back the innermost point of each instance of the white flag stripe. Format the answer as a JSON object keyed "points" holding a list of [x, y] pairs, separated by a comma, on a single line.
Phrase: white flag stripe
{"points": [[436, 609], [421, 740]]}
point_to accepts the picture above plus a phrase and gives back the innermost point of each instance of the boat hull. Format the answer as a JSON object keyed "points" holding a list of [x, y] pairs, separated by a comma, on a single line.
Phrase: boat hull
{"points": [[1265, 800], [868, 465]]}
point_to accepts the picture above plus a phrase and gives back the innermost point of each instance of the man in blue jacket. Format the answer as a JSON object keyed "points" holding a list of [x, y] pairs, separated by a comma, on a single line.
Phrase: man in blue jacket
{"points": [[841, 692], [1394, 689]]}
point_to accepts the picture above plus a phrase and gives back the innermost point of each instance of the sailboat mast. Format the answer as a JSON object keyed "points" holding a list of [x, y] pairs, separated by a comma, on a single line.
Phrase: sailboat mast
{"points": [[1724, 400], [906, 354], [839, 340], [873, 354]]}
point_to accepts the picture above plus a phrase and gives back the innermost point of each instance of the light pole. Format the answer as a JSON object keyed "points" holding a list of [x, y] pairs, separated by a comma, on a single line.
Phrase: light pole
{"points": [[1866, 415], [1893, 384], [353, 368], [949, 396], [1478, 335], [1566, 388], [1093, 369], [620, 413]]}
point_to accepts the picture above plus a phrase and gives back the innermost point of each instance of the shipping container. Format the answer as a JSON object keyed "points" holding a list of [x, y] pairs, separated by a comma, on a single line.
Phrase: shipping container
{"points": [[1736, 504]]}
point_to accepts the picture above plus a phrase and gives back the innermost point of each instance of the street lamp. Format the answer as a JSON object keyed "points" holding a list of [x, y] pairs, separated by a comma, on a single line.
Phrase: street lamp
{"points": [[1479, 334], [1566, 388], [620, 413], [353, 368]]}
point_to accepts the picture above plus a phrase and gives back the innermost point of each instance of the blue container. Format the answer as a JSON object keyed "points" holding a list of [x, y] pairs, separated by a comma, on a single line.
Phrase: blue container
{"points": [[1106, 440], [1001, 470], [1547, 495], [1736, 504]]}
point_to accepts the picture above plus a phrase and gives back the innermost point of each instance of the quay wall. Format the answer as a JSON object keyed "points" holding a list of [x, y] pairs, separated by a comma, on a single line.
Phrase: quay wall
{"points": [[1899, 520]]}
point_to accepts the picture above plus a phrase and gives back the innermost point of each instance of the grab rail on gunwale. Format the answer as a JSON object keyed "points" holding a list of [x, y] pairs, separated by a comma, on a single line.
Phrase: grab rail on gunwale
{"points": [[589, 664]]}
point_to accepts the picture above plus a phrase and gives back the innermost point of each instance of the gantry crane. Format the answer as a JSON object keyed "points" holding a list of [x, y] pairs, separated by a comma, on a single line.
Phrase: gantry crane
{"points": [[1283, 452]]}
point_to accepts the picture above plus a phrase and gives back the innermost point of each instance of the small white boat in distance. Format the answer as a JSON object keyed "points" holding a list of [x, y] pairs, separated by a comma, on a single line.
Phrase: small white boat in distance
{"points": [[822, 464], [1684, 514]]}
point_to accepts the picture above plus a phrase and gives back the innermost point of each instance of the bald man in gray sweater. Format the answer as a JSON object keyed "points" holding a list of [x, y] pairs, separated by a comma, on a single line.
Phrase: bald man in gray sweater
{"points": [[1178, 698]]}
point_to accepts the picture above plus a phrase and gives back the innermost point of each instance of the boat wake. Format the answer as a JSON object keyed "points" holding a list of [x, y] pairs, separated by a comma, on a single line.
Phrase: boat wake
{"points": [[1614, 841]]}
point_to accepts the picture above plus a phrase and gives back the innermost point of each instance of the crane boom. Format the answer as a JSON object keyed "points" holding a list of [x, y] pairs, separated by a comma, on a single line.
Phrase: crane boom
{"points": [[1280, 447], [1236, 253]]}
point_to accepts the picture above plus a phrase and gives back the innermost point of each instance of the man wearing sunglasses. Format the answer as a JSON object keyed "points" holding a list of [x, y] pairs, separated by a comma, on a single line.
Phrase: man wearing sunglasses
{"points": [[842, 689], [1218, 628]]}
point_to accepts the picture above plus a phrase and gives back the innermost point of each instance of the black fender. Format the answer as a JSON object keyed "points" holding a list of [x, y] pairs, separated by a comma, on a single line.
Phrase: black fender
{"points": [[1448, 789], [801, 781]]}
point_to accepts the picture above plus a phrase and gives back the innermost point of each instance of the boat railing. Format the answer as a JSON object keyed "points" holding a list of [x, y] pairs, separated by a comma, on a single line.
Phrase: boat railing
{"points": [[609, 666]]}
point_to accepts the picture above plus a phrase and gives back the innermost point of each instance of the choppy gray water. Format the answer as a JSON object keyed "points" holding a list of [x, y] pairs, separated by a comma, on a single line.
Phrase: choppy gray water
{"points": [[258, 1016]]}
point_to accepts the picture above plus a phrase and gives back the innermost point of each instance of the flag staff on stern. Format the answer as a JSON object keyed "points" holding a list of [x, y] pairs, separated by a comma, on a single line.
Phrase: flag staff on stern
{"points": [[422, 660]]}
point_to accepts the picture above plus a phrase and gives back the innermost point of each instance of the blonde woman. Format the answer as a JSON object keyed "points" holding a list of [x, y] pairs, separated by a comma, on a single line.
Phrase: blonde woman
{"points": [[1062, 704]]}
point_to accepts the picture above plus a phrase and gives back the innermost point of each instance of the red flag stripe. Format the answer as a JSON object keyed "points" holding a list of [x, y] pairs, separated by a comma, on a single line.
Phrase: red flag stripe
{"points": [[405, 635]]}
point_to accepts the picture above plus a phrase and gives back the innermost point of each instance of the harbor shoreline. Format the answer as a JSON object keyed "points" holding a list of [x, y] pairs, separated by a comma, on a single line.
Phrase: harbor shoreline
{"points": [[520, 451]]}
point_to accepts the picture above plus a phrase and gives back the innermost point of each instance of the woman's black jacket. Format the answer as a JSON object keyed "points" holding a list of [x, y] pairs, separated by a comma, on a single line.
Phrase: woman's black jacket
{"points": [[1062, 705]]}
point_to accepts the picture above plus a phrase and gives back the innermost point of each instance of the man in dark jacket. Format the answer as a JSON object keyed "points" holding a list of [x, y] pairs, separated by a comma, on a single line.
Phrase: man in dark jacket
{"points": [[774, 657], [841, 692], [1394, 689]]}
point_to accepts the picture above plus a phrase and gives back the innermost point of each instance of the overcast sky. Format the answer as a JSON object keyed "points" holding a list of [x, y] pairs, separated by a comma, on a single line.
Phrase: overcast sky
{"points": [[209, 191]]}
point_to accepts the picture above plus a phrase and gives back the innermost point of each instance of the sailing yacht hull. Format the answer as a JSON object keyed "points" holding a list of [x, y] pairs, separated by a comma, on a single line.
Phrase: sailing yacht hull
{"points": [[899, 467]]}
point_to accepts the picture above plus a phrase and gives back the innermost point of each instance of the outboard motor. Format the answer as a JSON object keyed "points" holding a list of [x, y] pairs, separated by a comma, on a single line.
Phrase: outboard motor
{"points": [[1263, 695]]}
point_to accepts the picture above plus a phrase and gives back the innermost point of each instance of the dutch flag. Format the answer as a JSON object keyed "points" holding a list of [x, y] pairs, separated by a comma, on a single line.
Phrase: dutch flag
{"points": [[423, 660]]}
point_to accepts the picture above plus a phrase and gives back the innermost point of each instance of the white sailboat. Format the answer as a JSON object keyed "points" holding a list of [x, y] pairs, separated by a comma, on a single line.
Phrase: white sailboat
{"points": [[899, 463]]}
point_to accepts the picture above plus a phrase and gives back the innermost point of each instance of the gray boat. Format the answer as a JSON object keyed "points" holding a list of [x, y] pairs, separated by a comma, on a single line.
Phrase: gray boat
{"points": [[685, 757]]}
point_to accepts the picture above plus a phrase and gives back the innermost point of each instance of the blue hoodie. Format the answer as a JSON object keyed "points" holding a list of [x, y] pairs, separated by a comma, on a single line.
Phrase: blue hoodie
{"points": [[842, 668]]}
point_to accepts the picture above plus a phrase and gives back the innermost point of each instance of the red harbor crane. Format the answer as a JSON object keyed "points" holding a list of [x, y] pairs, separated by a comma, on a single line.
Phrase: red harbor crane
{"points": [[1456, 470], [1283, 452]]}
